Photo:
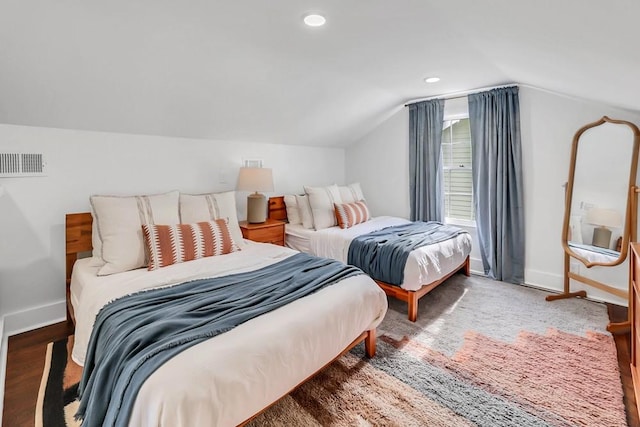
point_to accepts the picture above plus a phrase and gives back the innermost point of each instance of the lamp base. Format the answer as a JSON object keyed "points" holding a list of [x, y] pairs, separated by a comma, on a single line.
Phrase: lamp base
{"points": [[256, 208], [601, 237]]}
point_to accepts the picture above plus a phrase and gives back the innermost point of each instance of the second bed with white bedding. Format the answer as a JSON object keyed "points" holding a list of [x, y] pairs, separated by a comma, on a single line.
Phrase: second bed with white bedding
{"points": [[425, 265]]}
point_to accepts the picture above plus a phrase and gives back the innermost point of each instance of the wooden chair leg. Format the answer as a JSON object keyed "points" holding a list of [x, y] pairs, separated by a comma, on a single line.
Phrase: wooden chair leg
{"points": [[370, 343], [412, 301], [467, 267]]}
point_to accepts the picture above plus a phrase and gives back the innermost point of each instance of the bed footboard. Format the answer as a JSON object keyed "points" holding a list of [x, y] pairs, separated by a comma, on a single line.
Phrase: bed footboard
{"points": [[277, 210], [412, 297], [369, 338]]}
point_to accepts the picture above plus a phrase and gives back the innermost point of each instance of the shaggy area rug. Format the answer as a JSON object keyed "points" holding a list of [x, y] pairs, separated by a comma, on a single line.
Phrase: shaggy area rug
{"points": [[482, 353]]}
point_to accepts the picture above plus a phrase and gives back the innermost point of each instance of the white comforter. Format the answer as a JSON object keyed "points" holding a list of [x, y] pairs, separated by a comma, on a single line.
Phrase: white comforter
{"points": [[225, 380], [424, 265]]}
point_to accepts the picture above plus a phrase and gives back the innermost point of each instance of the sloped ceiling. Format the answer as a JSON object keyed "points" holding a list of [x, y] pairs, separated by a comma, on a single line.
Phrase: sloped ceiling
{"points": [[250, 70]]}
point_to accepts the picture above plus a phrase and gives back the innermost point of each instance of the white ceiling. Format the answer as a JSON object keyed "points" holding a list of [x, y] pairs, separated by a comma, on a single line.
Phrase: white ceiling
{"points": [[250, 70]]}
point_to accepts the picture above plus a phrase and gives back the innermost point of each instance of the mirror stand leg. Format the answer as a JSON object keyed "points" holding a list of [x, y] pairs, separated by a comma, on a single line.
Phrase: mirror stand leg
{"points": [[566, 295], [619, 328], [566, 292]]}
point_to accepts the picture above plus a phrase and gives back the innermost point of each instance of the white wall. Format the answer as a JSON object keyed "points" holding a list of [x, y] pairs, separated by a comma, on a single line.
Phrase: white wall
{"points": [[80, 163], [548, 123], [379, 161]]}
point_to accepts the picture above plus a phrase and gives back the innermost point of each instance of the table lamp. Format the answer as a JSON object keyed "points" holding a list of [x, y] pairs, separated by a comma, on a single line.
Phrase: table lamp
{"points": [[256, 179], [603, 218]]}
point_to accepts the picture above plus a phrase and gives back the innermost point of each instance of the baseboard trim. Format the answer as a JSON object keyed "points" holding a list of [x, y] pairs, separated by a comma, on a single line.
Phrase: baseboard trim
{"points": [[23, 321], [476, 267], [554, 283], [34, 318]]}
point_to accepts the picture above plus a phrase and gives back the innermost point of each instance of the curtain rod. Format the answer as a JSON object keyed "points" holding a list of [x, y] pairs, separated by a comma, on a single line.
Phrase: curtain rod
{"points": [[462, 94]]}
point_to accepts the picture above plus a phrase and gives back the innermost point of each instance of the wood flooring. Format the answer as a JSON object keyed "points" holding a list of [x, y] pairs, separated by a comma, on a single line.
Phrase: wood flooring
{"points": [[26, 353], [25, 362]]}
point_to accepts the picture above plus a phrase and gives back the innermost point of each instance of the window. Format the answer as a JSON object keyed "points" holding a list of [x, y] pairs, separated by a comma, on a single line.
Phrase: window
{"points": [[457, 164]]}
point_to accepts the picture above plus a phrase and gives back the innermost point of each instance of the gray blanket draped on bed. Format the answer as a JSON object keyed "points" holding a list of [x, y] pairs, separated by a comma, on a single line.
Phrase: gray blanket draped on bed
{"points": [[134, 335], [383, 253]]}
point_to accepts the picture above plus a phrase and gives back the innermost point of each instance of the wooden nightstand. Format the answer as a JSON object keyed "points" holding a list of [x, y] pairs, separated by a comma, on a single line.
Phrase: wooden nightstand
{"points": [[270, 231]]}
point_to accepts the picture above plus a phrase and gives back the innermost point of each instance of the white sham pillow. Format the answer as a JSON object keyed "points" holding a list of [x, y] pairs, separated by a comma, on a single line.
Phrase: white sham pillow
{"points": [[306, 217], [196, 208], [96, 244], [351, 193], [293, 213], [119, 221], [322, 201]]}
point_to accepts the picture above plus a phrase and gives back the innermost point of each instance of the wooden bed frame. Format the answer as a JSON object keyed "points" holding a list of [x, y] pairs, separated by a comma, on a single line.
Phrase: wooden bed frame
{"points": [[77, 242], [277, 210], [78, 227]]}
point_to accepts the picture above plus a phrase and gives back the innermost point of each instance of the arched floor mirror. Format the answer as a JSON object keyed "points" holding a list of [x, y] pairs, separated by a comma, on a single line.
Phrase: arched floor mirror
{"points": [[600, 204]]}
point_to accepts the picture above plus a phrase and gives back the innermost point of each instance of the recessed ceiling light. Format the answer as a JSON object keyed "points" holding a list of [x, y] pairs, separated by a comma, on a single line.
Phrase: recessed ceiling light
{"points": [[432, 79], [314, 20]]}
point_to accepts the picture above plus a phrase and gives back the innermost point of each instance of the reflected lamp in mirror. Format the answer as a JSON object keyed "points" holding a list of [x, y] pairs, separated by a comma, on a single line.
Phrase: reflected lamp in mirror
{"points": [[256, 180], [602, 219]]}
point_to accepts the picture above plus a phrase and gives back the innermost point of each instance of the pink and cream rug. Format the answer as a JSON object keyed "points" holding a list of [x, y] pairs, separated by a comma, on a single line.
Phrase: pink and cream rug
{"points": [[482, 353]]}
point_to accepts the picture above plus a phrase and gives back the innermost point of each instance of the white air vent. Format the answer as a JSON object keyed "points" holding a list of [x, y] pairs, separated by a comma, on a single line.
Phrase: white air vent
{"points": [[14, 165]]}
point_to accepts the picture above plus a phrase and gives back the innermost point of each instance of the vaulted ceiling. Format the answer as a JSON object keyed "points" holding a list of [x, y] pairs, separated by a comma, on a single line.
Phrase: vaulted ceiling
{"points": [[250, 70]]}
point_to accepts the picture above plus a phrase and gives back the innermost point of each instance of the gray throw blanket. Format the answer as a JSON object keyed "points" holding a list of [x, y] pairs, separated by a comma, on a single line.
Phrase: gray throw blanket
{"points": [[383, 253], [134, 335]]}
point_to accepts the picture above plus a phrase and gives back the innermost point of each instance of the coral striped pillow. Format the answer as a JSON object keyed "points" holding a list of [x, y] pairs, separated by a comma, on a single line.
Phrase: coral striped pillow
{"points": [[172, 244], [350, 214]]}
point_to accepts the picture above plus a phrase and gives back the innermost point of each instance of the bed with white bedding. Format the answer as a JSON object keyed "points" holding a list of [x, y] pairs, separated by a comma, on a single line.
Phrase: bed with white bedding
{"points": [[426, 267], [231, 377]]}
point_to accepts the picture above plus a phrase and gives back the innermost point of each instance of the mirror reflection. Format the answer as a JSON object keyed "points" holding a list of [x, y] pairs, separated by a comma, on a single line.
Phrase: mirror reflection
{"points": [[598, 194]]}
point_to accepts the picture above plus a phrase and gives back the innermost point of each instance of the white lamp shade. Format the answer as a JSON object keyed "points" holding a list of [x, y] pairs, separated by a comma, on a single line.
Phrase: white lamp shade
{"points": [[255, 179], [604, 217]]}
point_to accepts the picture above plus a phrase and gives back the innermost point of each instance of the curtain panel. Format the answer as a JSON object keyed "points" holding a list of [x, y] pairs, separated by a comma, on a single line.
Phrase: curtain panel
{"points": [[494, 117], [425, 164]]}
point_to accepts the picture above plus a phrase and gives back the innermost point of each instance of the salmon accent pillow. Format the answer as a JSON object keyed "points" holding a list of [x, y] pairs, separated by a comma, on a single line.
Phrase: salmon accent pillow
{"points": [[350, 214], [172, 244]]}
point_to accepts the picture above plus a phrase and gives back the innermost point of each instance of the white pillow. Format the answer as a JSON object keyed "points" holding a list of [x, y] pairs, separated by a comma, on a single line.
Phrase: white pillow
{"points": [[96, 244], [119, 224], [196, 208], [322, 200], [351, 193], [293, 213], [306, 217]]}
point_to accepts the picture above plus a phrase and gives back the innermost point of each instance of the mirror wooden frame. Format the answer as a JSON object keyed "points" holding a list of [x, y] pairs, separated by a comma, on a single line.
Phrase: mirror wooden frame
{"points": [[629, 230], [630, 206]]}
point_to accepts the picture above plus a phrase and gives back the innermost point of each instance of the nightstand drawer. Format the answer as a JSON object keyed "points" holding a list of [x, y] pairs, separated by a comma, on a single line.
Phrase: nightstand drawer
{"points": [[264, 234], [271, 231]]}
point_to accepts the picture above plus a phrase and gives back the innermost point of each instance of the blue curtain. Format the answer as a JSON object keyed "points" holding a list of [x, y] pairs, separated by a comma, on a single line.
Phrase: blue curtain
{"points": [[425, 165], [494, 117]]}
